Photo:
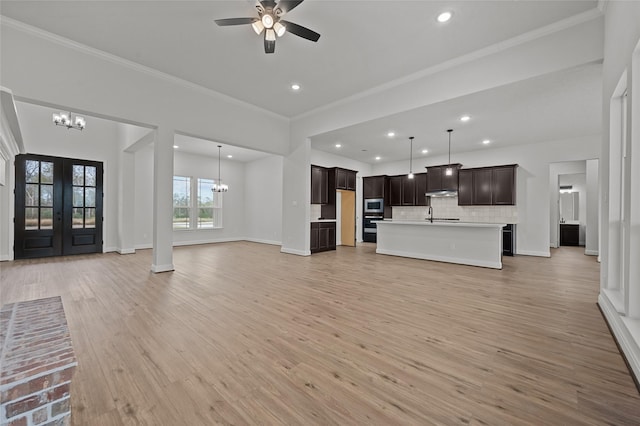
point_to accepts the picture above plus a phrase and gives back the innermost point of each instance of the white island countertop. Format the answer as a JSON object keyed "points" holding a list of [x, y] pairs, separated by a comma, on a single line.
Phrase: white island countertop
{"points": [[467, 243]]}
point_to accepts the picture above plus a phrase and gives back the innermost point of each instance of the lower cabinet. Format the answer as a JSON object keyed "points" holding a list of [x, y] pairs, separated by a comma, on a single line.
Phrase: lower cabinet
{"points": [[509, 240], [323, 236]]}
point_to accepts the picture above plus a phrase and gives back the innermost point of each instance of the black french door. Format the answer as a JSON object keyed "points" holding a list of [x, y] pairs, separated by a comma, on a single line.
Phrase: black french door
{"points": [[58, 206]]}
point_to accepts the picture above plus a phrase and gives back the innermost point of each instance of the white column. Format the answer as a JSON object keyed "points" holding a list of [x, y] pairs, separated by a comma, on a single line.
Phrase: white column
{"points": [[296, 199], [126, 204], [163, 201]]}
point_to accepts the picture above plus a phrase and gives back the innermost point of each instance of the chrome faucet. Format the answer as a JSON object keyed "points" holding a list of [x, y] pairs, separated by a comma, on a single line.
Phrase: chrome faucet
{"points": [[430, 213]]}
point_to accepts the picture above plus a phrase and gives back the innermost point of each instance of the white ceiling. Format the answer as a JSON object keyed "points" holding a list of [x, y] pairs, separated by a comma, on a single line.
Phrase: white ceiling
{"points": [[363, 44], [557, 106]]}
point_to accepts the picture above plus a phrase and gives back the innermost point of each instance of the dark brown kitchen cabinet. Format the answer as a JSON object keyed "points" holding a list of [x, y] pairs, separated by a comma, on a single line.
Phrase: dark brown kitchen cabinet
{"points": [[421, 189], [323, 236], [465, 187], [345, 179], [375, 187], [395, 190], [319, 185], [482, 187], [487, 186], [408, 191], [504, 185], [438, 180]]}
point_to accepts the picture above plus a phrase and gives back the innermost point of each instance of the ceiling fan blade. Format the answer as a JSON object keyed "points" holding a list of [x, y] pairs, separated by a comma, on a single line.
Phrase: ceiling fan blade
{"points": [[269, 45], [287, 5], [300, 31], [234, 21], [268, 4]]}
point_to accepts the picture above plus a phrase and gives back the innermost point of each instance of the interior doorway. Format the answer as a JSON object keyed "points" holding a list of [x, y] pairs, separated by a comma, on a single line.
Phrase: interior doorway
{"points": [[58, 206]]}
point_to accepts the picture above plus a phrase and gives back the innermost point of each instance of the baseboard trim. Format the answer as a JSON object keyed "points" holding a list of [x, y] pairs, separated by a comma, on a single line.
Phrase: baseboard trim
{"points": [[109, 249], [534, 253], [592, 252], [6, 258], [261, 241], [208, 241], [296, 252], [143, 246], [156, 269], [127, 251], [627, 346]]}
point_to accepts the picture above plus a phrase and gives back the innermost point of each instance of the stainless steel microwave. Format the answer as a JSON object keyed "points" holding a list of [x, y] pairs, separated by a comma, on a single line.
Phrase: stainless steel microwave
{"points": [[373, 205]]}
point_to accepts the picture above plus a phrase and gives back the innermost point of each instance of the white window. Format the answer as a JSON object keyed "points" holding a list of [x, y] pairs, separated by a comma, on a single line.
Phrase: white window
{"points": [[181, 202], [195, 205]]}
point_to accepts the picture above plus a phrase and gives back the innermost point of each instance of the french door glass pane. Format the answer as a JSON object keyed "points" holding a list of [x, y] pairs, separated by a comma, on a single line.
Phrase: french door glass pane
{"points": [[90, 176], [89, 218], [46, 172], [46, 195], [90, 197], [46, 218], [32, 171], [31, 218], [78, 175], [78, 214], [78, 196], [31, 194]]}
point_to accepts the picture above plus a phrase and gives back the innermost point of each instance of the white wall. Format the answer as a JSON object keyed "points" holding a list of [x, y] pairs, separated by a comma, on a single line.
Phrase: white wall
{"points": [[143, 187], [592, 239], [325, 159], [532, 180], [621, 53], [263, 200], [97, 142]]}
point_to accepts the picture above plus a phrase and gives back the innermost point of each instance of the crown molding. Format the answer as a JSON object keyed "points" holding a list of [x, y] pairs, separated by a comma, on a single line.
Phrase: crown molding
{"points": [[602, 6], [561, 25], [83, 48]]}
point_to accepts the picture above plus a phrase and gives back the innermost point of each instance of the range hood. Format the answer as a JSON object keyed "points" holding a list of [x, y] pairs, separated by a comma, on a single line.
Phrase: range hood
{"points": [[442, 193]]}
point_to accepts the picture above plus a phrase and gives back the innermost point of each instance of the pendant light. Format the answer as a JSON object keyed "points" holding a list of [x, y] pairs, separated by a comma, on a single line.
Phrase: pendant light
{"points": [[218, 186], [449, 170], [410, 176]]}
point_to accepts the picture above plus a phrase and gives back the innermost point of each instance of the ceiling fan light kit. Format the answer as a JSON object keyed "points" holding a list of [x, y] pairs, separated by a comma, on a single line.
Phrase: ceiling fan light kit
{"points": [[269, 21]]}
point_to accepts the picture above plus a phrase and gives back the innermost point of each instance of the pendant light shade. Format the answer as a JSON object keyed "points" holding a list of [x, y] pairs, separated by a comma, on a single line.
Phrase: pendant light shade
{"points": [[218, 186], [449, 170], [410, 175]]}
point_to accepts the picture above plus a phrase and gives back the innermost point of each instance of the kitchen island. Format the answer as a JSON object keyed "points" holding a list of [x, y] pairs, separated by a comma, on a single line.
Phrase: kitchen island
{"points": [[476, 244]]}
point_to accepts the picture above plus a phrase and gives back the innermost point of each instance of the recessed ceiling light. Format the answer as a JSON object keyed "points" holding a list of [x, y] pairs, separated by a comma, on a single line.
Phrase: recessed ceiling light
{"points": [[338, 145], [229, 156], [486, 141], [176, 147], [444, 16], [424, 151], [465, 118], [391, 134], [295, 86], [377, 158]]}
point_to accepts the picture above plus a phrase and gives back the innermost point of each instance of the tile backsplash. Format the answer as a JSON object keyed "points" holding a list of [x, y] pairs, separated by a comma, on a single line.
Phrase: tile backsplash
{"points": [[448, 208], [315, 212]]}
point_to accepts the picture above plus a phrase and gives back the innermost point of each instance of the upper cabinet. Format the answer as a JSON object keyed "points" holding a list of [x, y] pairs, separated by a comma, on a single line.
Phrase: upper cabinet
{"points": [[421, 181], [319, 185], [345, 179], [375, 187], [438, 180], [408, 192], [487, 186], [504, 185]]}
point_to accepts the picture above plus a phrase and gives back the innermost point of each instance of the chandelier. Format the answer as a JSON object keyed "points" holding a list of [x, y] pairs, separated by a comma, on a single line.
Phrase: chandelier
{"points": [[66, 119], [218, 186]]}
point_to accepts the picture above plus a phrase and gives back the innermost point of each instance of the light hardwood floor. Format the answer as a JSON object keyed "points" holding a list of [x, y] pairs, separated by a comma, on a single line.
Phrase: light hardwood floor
{"points": [[242, 334]]}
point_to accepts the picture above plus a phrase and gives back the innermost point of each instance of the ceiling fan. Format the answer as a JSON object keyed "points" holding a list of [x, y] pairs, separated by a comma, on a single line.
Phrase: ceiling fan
{"points": [[270, 22]]}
